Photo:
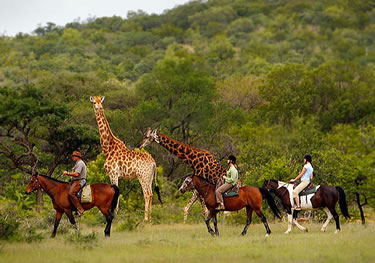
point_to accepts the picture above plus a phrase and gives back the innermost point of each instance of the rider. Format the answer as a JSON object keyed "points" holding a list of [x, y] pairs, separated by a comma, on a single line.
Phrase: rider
{"points": [[230, 181], [307, 175], [77, 180]]}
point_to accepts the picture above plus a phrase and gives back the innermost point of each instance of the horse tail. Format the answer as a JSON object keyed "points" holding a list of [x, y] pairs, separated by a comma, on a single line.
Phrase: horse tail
{"points": [[271, 202], [157, 190], [342, 202], [115, 198]]}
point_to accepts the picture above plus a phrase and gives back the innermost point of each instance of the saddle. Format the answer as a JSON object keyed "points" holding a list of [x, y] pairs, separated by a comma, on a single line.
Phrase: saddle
{"points": [[309, 189], [232, 191], [85, 194]]}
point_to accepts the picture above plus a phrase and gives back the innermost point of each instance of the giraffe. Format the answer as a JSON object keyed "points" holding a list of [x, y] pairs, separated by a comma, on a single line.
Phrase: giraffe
{"points": [[201, 161], [122, 163]]}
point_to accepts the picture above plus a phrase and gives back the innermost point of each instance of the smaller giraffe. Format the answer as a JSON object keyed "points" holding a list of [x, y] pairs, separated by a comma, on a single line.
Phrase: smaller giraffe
{"points": [[201, 161]]}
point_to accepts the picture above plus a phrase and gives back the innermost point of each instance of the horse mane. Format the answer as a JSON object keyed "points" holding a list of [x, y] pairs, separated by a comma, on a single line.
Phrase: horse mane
{"points": [[274, 181], [204, 179], [53, 179]]}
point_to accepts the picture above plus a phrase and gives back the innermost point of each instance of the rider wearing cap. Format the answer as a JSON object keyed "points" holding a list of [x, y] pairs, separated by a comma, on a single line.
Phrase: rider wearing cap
{"points": [[306, 176], [78, 180], [230, 181]]}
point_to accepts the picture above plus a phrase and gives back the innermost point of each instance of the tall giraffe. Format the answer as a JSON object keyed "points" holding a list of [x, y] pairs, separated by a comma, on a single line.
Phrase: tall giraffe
{"points": [[122, 163], [202, 162]]}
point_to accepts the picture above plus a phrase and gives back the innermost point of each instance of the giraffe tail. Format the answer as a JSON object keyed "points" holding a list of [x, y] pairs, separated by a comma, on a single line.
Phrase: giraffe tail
{"points": [[115, 198], [157, 190]]}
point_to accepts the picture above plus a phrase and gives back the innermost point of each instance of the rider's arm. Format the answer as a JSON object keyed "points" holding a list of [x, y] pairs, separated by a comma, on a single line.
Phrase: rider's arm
{"points": [[300, 174]]}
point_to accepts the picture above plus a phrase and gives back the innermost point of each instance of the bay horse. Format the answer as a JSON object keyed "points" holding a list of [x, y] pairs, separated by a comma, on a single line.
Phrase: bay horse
{"points": [[104, 197], [248, 196], [326, 197]]}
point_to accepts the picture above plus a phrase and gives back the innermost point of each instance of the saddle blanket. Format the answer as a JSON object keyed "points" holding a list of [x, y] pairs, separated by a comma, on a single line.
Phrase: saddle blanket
{"points": [[232, 192], [85, 194], [304, 199]]}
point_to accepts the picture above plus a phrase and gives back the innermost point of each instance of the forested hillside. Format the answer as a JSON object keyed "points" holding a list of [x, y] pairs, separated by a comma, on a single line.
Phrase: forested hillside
{"points": [[265, 80]]}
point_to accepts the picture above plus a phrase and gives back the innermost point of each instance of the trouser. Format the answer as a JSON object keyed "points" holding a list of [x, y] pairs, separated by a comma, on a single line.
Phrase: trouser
{"points": [[73, 190], [220, 191], [299, 188]]}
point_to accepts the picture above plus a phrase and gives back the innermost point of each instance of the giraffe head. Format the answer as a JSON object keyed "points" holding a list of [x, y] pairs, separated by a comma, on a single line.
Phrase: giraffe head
{"points": [[97, 102], [150, 136]]}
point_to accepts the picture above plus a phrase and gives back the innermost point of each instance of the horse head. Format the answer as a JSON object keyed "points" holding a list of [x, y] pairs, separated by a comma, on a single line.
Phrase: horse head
{"points": [[33, 184], [270, 185]]}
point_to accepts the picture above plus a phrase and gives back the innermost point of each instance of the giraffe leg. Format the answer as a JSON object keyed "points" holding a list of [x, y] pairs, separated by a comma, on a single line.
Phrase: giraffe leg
{"points": [[192, 200], [147, 195], [204, 207]]}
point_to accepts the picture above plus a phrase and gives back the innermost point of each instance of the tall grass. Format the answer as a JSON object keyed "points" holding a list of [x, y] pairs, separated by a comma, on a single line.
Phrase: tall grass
{"points": [[192, 243]]}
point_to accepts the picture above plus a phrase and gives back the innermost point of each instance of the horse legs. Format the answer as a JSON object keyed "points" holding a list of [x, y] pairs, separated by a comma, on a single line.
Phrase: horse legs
{"points": [[336, 217], [109, 217], [57, 222], [295, 213], [207, 221], [69, 213], [264, 221], [249, 213], [215, 225], [290, 224], [329, 217]]}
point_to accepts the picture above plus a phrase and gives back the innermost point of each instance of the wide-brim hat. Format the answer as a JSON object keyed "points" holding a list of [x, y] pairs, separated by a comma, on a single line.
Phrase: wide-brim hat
{"points": [[77, 153]]}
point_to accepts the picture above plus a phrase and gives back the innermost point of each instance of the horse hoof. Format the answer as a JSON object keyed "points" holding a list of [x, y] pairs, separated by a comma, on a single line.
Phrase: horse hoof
{"points": [[337, 231], [305, 230], [286, 232], [322, 230], [267, 235]]}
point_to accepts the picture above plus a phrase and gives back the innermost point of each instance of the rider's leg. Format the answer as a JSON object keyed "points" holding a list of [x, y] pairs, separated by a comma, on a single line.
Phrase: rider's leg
{"points": [[74, 188], [220, 191], [298, 189]]}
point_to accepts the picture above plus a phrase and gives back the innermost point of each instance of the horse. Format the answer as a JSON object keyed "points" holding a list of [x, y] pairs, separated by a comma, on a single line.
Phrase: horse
{"points": [[104, 197], [326, 197], [248, 196]]}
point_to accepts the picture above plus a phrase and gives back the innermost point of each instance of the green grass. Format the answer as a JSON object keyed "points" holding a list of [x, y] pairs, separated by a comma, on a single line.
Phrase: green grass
{"points": [[192, 243]]}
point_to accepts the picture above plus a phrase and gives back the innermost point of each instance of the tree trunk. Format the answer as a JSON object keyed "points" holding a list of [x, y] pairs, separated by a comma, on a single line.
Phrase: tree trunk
{"points": [[358, 200], [39, 199]]}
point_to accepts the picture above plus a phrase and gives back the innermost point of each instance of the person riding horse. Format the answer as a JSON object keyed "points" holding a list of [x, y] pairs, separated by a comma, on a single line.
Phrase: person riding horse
{"points": [[77, 180], [230, 181], [306, 176]]}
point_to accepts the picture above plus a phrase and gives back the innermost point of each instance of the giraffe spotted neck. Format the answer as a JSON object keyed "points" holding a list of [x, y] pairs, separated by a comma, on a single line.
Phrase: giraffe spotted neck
{"points": [[202, 162], [108, 141]]}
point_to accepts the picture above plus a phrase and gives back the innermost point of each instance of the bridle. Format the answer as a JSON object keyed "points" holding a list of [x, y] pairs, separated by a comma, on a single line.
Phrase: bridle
{"points": [[36, 185]]}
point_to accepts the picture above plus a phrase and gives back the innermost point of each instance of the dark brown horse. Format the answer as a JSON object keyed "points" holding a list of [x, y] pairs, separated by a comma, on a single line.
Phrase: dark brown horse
{"points": [[248, 196], [326, 197], [104, 197]]}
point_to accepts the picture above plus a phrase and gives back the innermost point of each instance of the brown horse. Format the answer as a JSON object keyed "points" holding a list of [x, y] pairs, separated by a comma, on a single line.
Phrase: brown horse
{"points": [[104, 197], [248, 196], [326, 197]]}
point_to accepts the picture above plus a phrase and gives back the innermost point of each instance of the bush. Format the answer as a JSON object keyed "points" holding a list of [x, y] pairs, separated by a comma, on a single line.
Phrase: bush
{"points": [[86, 241]]}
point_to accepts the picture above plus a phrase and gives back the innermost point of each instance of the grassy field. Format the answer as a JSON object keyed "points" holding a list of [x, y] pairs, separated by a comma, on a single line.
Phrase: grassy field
{"points": [[192, 243]]}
